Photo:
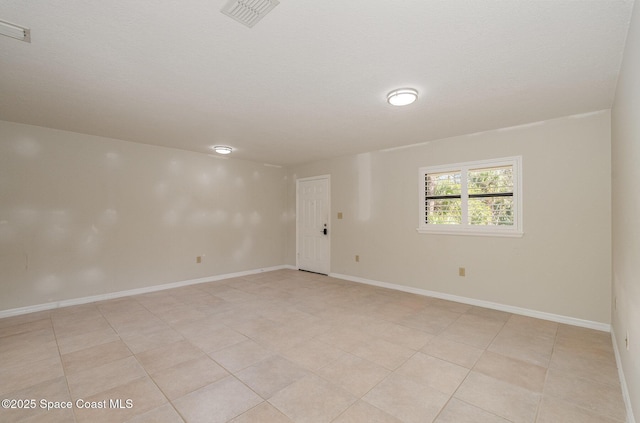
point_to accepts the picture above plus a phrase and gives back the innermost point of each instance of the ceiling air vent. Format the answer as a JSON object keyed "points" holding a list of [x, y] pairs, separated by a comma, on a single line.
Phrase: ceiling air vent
{"points": [[248, 12]]}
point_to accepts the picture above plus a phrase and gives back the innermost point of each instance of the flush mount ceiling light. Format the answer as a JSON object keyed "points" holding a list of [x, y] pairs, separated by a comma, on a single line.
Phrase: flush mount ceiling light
{"points": [[222, 149], [402, 96], [15, 31]]}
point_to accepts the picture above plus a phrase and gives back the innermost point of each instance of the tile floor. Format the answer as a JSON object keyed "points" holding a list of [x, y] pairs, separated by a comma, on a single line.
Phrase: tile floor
{"points": [[289, 346]]}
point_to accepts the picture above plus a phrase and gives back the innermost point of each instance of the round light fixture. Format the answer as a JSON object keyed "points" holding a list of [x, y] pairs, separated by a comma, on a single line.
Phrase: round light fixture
{"points": [[222, 149], [402, 96]]}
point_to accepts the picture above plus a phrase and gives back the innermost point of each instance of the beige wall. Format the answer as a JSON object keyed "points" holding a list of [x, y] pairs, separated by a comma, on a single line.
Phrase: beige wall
{"points": [[626, 211], [83, 215], [561, 265]]}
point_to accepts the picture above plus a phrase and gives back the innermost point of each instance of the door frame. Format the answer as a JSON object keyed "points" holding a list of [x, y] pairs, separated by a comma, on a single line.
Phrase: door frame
{"points": [[312, 178]]}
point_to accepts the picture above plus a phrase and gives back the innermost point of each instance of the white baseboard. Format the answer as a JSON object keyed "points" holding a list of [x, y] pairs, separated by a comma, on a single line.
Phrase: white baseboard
{"points": [[623, 382], [605, 327], [137, 291]]}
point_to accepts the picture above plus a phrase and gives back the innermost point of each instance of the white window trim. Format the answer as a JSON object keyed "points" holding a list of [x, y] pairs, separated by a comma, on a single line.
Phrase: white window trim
{"points": [[464, 228]]}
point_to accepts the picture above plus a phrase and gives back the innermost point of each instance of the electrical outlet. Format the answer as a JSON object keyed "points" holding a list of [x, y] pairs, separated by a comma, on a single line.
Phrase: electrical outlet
{"points": [[461, 271], [199, 259], [357, 259]]}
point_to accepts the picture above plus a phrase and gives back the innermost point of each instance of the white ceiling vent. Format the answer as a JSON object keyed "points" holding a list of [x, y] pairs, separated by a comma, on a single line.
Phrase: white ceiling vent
{"points": [[248, 12]]}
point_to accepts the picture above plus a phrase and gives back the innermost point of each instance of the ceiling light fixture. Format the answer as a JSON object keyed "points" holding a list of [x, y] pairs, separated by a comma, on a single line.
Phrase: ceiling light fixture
{"points": [[15, 31], [222, 149], [402, 96]]}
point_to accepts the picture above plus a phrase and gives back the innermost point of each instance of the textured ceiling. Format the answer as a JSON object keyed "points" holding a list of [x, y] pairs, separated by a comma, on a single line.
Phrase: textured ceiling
{"points": [[309, 81]]}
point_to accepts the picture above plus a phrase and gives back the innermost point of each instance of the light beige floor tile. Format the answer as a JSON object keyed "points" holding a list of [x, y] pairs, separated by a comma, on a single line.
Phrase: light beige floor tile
{"points": [[317, 322], [509, 401], [271, 375], [232, 295], [439, 304], [24, 318], [282, 338], [149, 341], [142, 393], [52, 416], [140, 326], [431, 321], [167, 356], [181, 314], [473, 330], [510, 370], [524, 345], [488, 313], [31, 338], [354, 374], [554, 410], [433, 372], [241, 355], [286, 316], [344, 338], [86, 340], [29, 373], [119, 306], [217, 402], [395, 312], [41, 324], [384, 353], [101, 378], [263, 413], [76, 326], [584, 336], [594, 396], [159, 302], [312, 354], [132, 313], [251, 312], [188, 376], [454, 352], [406, 399], [312, 399], [163, 414], [532, 325], [252, 327], [198, 328], [92, 357], [363, 412], [15, 350], [400, 335], [50, 391], [600, 370], [77, 312], [458, 411], [217, 339], [310, 326], [587, 349]]}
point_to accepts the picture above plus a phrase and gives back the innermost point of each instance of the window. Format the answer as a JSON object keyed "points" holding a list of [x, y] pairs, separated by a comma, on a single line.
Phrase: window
{"points": [[476, 198]]}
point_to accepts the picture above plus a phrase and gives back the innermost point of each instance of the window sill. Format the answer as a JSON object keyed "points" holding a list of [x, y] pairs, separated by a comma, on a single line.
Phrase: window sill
{"points": [[471, 232]]}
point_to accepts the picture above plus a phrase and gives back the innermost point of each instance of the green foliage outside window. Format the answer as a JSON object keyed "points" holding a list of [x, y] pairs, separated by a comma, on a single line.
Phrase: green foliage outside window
{"points": [[485, 205]]}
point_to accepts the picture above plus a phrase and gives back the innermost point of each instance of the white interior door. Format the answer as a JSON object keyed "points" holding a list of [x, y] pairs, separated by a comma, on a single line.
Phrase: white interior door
{"points": [[313, 232]]}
